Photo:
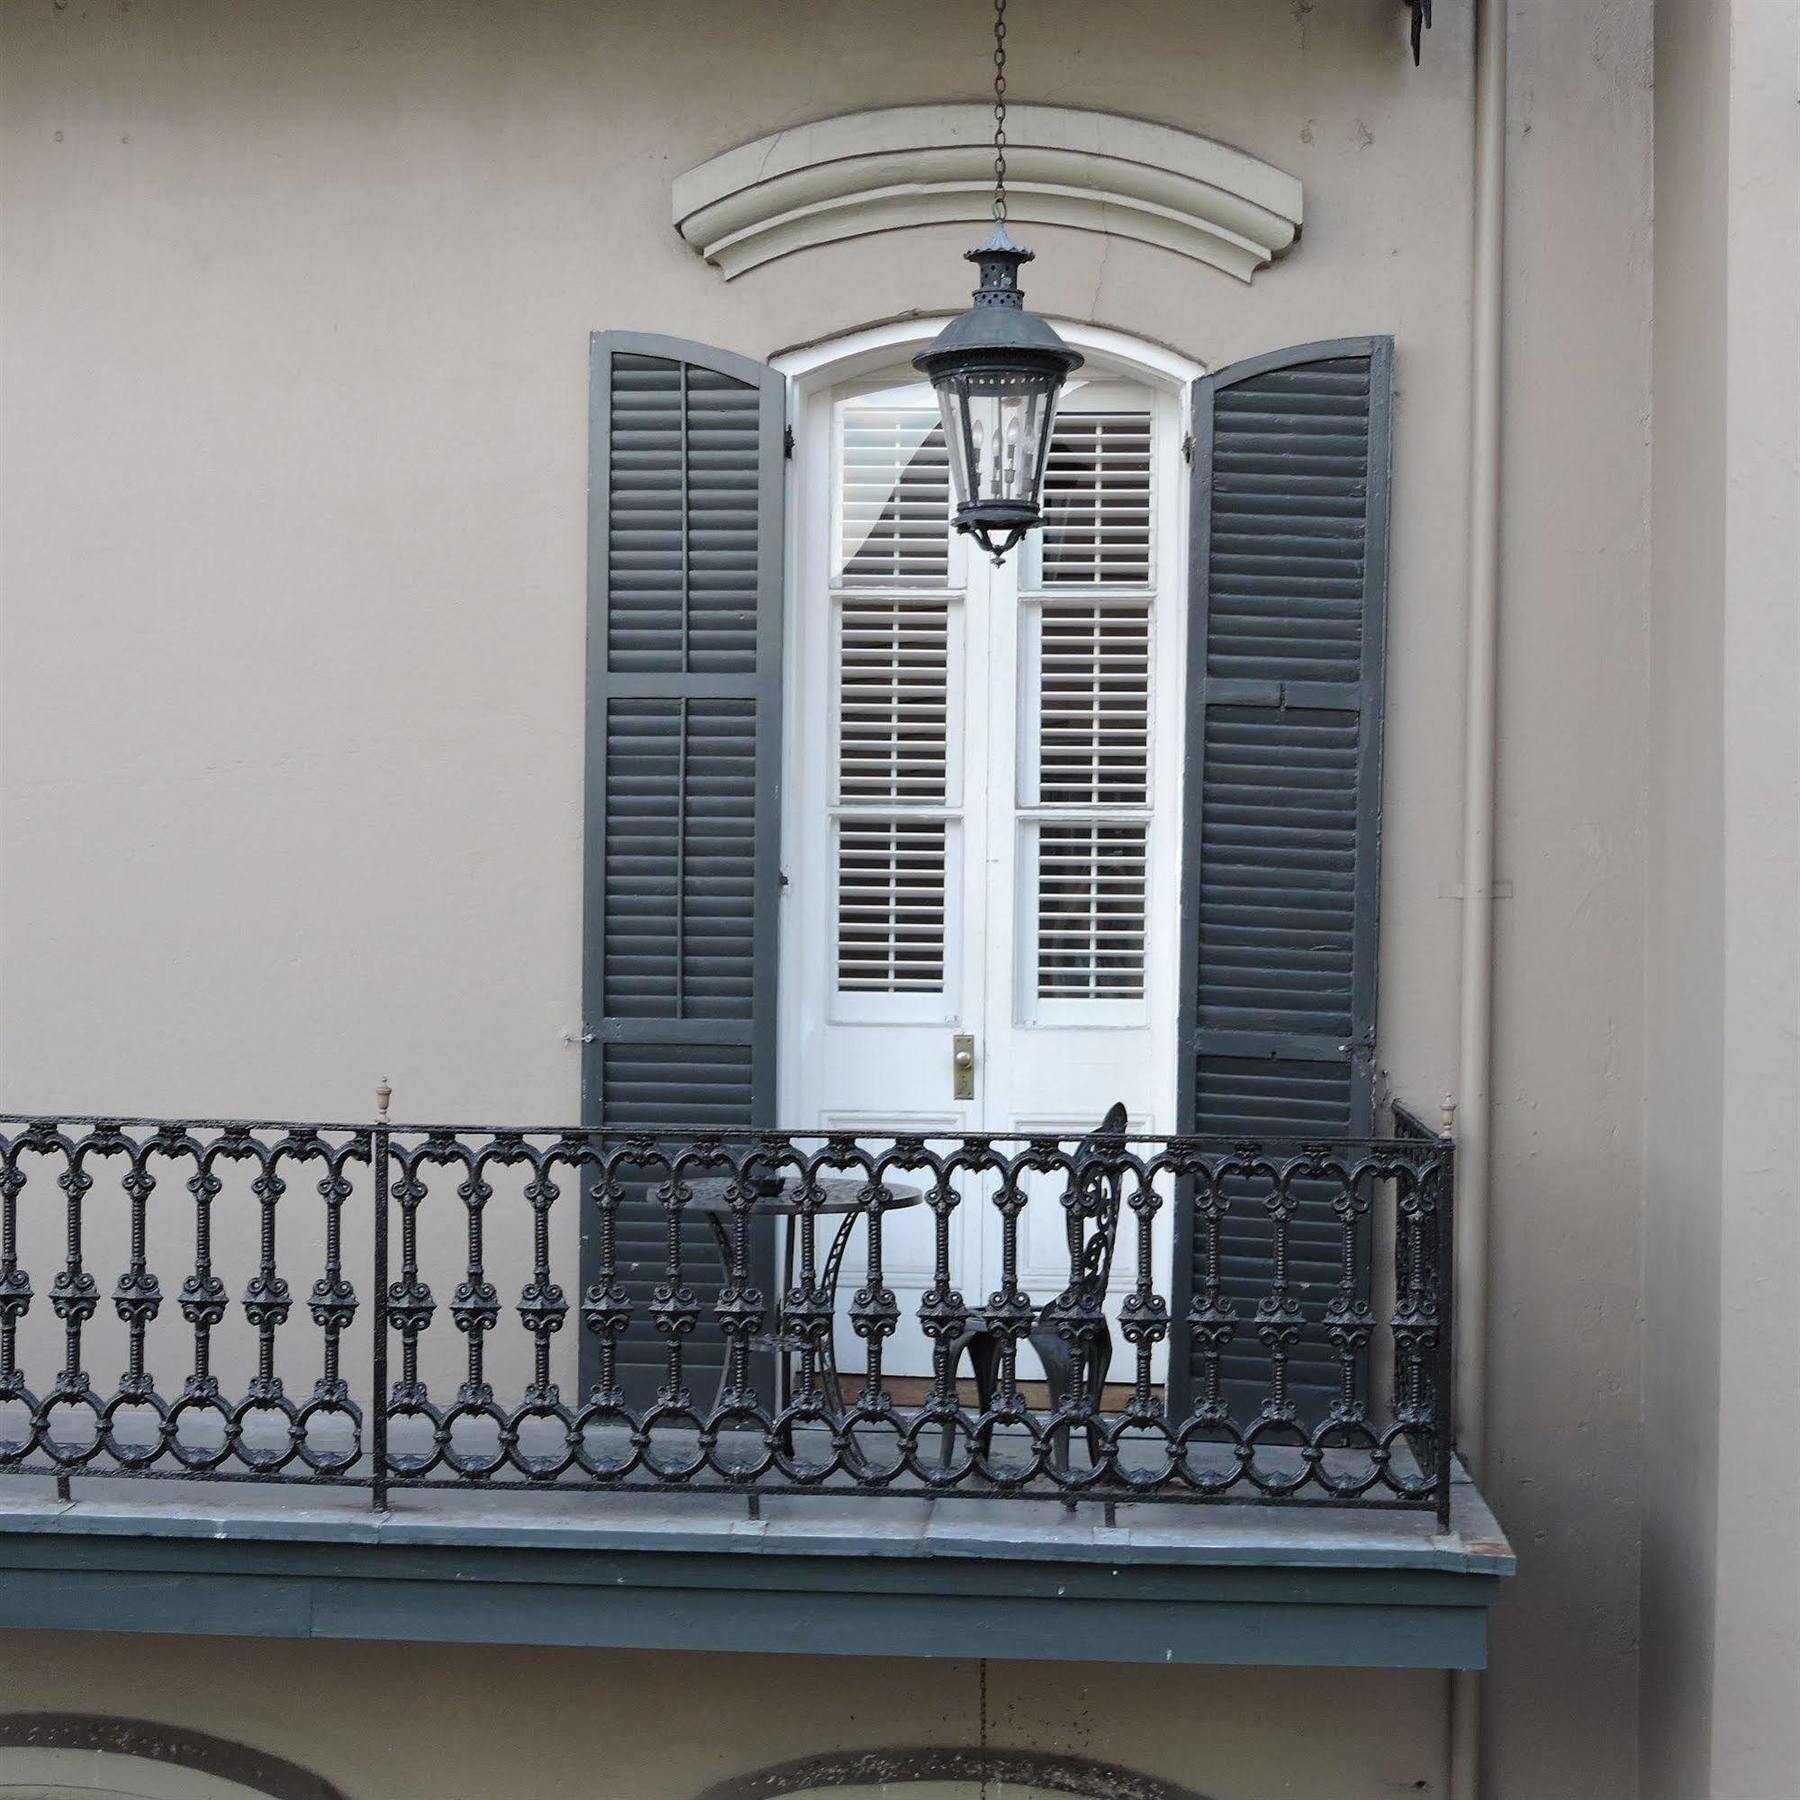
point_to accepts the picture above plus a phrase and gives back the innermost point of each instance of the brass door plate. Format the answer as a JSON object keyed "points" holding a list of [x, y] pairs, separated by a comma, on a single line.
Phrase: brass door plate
{"points": [[962, 1063]]}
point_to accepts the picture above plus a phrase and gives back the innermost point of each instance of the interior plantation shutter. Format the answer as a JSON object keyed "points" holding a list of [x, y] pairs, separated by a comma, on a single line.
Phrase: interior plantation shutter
{"points": [[1282, 818], [683, 785]]}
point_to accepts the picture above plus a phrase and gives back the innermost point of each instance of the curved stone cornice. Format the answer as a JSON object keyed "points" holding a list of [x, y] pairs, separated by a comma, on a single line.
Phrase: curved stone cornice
{"points": [[900, 166]]}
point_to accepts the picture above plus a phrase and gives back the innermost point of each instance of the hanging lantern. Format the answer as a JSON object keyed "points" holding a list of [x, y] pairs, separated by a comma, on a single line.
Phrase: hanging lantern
{"points": [[997, 370]]}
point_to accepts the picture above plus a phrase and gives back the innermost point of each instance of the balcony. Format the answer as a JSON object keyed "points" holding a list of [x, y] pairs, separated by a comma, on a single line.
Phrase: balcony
{"points": [[1107, 1397]]}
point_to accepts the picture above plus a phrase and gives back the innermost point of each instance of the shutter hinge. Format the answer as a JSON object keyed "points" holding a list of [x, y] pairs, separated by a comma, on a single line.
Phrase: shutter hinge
{"points": [[787, 441], [1187, 448]]}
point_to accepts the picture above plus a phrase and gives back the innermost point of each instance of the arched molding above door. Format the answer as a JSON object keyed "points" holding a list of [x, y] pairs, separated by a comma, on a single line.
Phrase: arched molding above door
{"points": [[896, 167]]}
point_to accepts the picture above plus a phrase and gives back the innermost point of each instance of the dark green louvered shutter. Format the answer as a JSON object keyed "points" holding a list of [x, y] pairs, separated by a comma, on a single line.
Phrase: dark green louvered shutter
{"points": [[1282, 827], [683, 779]]}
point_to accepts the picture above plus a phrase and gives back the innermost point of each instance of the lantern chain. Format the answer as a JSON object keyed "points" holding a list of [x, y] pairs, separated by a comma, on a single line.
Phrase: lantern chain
{"points": [[1000, 110]]}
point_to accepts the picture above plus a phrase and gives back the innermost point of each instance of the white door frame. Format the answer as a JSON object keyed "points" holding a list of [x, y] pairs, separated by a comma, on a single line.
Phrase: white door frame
{"points": [[989, 823], [811, 372]]}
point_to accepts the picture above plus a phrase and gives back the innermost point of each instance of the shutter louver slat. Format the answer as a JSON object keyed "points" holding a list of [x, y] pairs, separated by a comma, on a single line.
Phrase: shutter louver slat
{"points": [[684, 713], [1283, 804], [683, 475]]}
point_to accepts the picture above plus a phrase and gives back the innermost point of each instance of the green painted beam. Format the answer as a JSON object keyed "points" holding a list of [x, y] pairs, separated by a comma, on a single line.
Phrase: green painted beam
{"points": [[268, 1585]]}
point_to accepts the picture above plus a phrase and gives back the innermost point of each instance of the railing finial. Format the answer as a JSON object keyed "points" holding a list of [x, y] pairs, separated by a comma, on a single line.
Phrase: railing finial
{"points": [[383, 1094], [1447, 1119]]}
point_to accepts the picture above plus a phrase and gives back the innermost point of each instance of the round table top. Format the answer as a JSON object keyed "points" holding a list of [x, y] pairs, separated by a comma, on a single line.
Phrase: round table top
{"points": [[837, 1194]]}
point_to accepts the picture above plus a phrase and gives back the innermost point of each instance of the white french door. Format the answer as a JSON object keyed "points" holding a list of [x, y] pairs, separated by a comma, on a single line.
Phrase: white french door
{"points": [[981, 828]]}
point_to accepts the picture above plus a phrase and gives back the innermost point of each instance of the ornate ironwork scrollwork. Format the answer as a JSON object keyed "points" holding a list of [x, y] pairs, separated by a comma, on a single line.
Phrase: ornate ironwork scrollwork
{"points": [[1208, 1403]]}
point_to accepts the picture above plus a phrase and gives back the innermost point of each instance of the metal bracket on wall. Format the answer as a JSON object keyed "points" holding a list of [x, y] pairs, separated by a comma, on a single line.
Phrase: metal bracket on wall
{"points": [[1421, 23]]}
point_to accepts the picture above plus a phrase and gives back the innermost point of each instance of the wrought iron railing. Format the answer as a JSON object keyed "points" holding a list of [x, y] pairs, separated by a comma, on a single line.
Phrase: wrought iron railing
{"points": [[1112, 1317]]}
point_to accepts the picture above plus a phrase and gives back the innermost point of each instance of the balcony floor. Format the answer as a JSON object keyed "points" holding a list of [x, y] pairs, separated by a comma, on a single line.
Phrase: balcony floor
{"points": [[832, 1574]]}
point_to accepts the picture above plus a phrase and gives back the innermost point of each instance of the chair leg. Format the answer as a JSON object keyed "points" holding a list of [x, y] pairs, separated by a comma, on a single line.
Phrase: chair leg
{"points": [[984, 1361], [1059, 1362], [1100, 1362], [1059, 1378], [953, 1357]]}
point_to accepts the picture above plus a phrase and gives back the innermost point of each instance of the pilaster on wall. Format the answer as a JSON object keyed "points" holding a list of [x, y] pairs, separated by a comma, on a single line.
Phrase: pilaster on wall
{"points": [[1721, 1616], [1756, 1726], [1684, 975]]}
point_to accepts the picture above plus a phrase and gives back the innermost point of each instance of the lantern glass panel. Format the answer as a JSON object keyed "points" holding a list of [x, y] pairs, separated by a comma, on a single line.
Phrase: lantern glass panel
{"points": [[956, 441], [998, 425], [998, 422]]}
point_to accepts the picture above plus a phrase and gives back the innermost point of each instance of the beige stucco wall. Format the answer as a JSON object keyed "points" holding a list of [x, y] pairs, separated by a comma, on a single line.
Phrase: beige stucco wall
{"points": [[1563, 1441], [296, 313], [294, 306], [417, 1722]]}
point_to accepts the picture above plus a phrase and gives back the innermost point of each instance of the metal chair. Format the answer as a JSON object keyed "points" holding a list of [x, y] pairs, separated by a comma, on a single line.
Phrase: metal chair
{"points": [[1092, 1222]]}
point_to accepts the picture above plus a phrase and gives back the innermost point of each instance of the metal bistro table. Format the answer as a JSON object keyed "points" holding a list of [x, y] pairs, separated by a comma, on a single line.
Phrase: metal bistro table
{"points": [[837, 1195]]}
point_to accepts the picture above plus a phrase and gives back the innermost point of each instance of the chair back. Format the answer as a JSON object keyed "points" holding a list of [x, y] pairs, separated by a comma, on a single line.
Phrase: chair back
{"points": [[1096, 1189]]}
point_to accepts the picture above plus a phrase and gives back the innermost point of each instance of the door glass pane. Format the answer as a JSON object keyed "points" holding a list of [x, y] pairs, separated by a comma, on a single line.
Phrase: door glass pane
{"points": [[1094, 704], [1092, 884], [1097, 499], [893, 700], [894, 496], [893, 776], [1085, 783], [890, 905]]}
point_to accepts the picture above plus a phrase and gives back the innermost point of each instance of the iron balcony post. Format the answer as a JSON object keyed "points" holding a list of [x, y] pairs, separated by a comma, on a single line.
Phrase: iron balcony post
{"points": [[1444, 1401], [378, 1373]]}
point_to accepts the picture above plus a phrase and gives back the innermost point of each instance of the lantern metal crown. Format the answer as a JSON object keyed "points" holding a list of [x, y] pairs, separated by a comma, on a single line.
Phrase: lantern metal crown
{"points": [[998, 370]]}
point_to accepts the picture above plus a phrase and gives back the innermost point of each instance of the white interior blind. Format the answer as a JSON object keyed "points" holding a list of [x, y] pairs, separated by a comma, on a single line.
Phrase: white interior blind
{"points": [[890, 903], [1092, 888], [1097, 499], [893, 699], [1087, 790], [893, 497], [1094, 703]]}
